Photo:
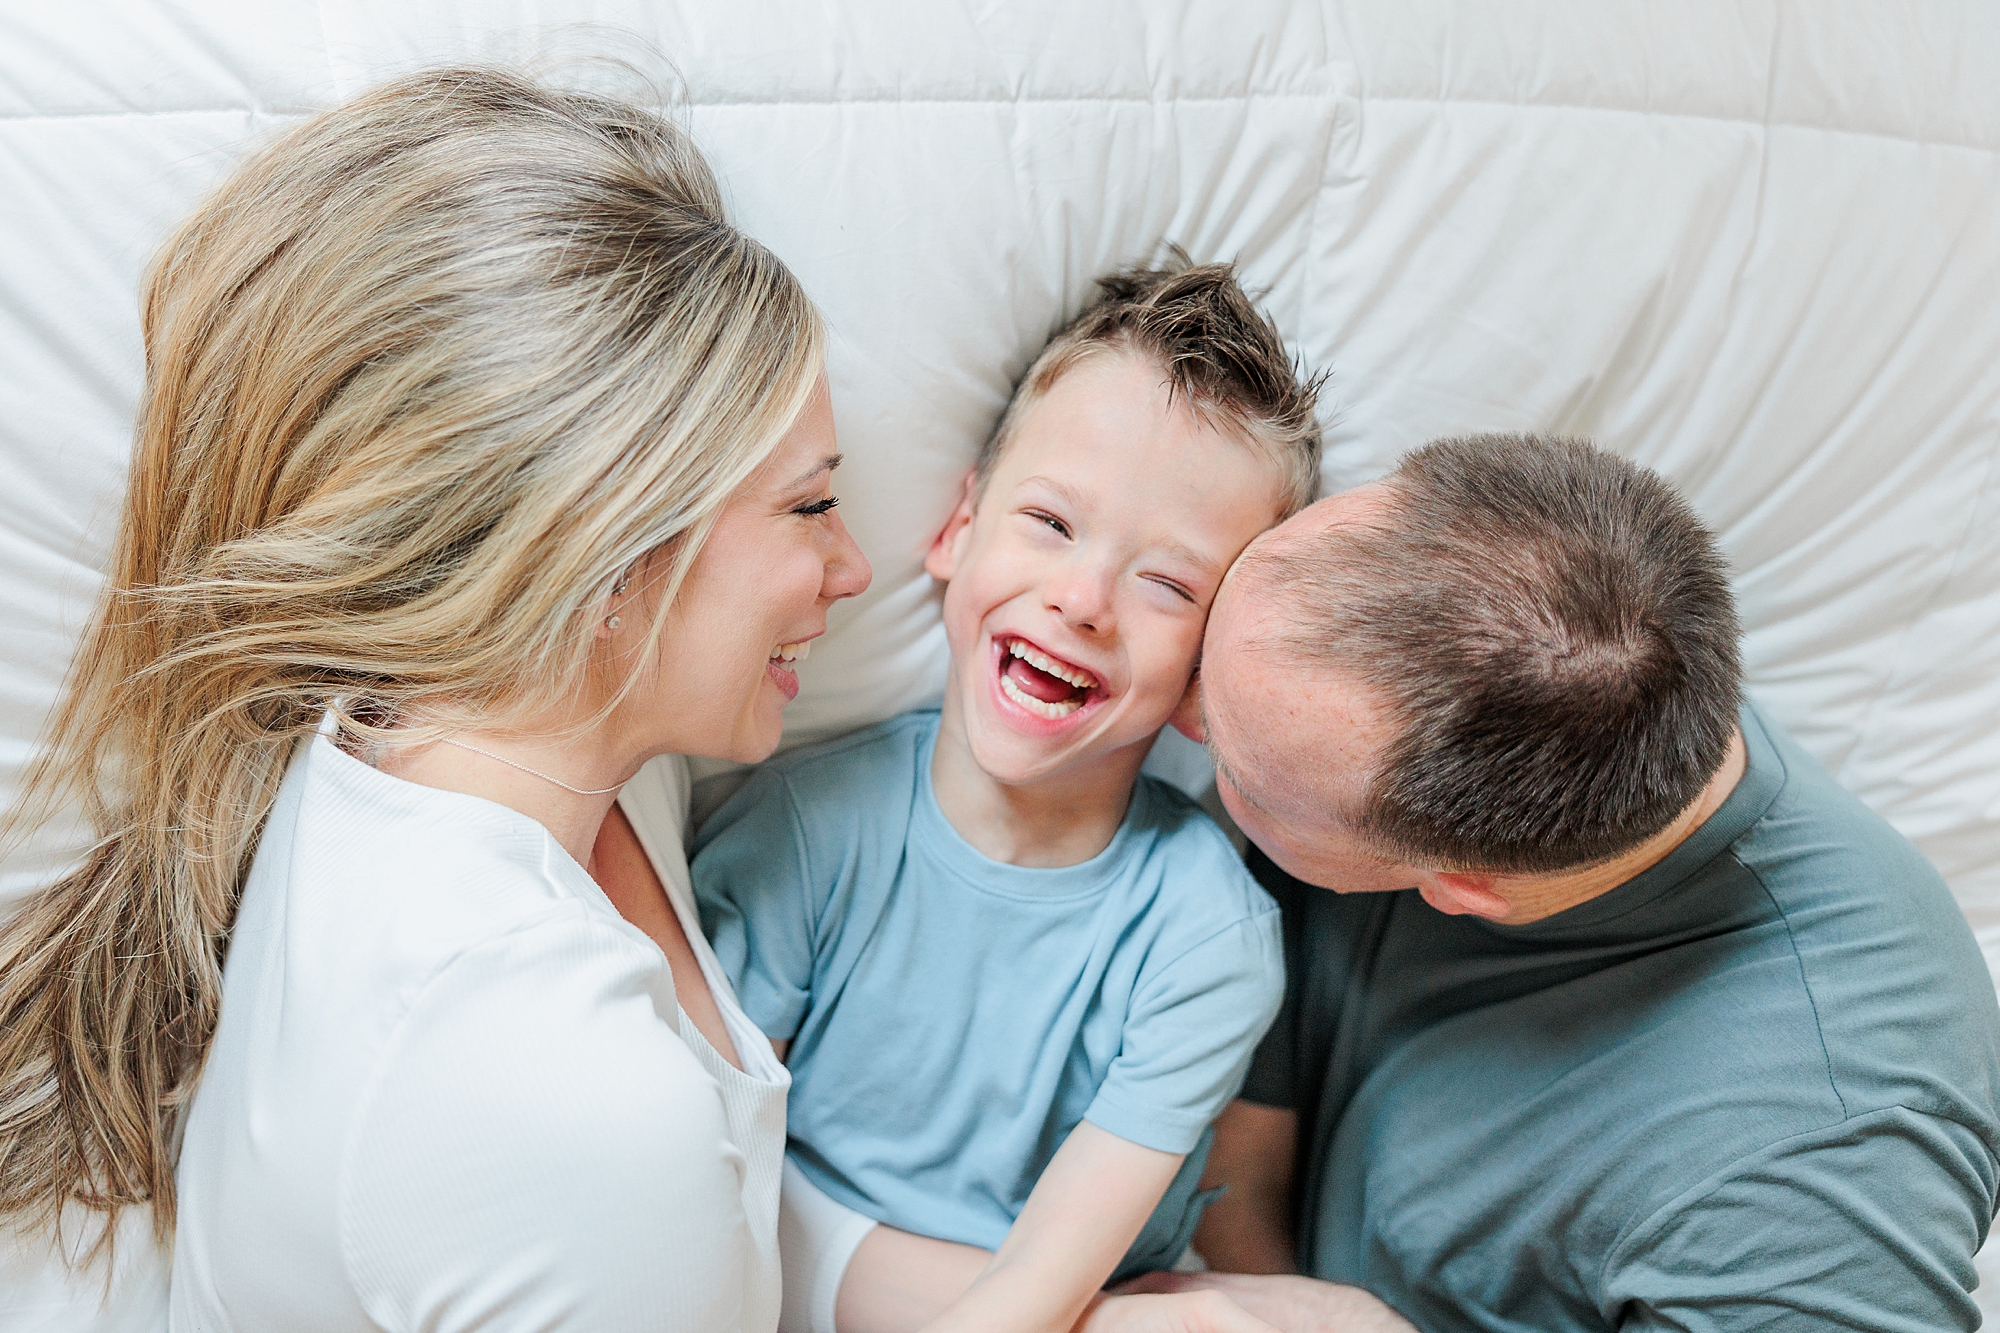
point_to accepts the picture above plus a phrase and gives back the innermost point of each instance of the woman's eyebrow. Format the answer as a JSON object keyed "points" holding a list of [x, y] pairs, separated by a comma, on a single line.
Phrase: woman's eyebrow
{"points": [[827, 464]]}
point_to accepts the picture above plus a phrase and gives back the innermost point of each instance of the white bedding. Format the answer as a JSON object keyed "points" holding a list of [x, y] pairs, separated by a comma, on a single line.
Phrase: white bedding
{"points": [[1755, 245]]}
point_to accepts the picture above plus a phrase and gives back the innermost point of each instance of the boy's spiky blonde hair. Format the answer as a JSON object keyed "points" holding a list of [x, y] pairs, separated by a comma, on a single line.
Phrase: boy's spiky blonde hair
{"points": [[1217, 350]]}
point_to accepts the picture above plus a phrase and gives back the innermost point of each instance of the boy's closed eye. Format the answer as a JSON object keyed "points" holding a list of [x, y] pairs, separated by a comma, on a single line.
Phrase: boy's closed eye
{"points": [[1055, 523]]}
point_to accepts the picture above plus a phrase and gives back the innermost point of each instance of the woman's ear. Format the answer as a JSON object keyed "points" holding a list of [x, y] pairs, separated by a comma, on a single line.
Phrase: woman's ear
{"points": [[941, 561]]}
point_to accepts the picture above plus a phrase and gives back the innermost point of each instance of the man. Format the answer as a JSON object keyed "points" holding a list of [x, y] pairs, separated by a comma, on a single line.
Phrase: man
{"points": [[1620, 1013]]}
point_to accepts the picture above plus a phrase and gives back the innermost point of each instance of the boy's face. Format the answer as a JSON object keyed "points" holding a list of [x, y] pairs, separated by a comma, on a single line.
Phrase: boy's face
{"points": [[1080, 583]]}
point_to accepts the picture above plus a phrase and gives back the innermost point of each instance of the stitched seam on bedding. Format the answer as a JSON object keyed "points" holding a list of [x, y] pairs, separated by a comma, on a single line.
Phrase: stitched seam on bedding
{"points": [[1764, 124], [699, 104], [1193, 100], [1900, 655]]}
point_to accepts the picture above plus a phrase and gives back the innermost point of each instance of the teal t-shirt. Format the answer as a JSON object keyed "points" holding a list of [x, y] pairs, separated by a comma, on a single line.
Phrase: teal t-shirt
{"points": [[1752, 1088], [953, 1018]]}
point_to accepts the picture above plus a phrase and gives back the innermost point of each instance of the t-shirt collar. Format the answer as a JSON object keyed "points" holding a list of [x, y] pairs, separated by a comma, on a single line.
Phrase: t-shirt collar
{"points": [[1763, 778], [930, 828]]}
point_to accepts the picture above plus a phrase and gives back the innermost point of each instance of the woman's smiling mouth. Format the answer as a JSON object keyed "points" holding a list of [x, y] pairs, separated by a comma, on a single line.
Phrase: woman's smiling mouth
{"points": [[1039, 684], [779, 667]]}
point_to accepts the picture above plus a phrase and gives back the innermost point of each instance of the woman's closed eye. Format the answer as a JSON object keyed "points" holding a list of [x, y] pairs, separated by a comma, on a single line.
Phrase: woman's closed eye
{"points": [[818, 507]]}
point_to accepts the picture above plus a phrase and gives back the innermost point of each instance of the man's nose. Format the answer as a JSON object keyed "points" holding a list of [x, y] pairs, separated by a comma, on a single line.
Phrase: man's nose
{"points": [[847, 570]]}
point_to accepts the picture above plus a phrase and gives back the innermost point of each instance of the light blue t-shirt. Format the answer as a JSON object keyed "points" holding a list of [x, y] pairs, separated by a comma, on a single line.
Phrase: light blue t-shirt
{"points": [[952, 1018]]}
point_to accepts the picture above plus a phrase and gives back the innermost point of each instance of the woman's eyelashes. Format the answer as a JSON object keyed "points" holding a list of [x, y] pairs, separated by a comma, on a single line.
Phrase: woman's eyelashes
{"points": [[818, 507]]}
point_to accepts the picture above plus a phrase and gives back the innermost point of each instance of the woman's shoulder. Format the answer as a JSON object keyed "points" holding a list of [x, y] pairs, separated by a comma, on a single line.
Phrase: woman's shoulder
{"points": [[452, 1055], [565, 1017], [536, 1116], [411, 876], [456, 938]]}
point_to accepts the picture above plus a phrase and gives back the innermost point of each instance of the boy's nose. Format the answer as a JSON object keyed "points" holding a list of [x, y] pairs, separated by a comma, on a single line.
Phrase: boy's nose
{"points": [[1082, 597]]}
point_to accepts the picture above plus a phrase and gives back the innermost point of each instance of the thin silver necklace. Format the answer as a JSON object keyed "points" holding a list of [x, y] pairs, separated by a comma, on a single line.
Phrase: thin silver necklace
{"points": [[601, 791]]}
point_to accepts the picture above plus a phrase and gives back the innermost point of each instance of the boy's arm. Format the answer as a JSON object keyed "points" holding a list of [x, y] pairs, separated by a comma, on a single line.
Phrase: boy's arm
{"points": [[1081, 1218], [898, 1281], [1083, 1214]]}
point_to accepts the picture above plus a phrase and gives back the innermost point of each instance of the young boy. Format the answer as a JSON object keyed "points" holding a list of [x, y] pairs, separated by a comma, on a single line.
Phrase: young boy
{"points": [[1014, 979]]}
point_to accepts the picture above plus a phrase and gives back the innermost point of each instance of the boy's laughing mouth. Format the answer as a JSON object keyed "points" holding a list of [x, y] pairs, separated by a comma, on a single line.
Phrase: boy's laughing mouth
{"points": [[1040, 684]]}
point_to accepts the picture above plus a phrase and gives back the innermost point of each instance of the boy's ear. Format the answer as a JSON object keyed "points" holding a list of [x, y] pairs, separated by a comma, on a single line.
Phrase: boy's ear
{"points": [[1187, 713], [941, 561]]}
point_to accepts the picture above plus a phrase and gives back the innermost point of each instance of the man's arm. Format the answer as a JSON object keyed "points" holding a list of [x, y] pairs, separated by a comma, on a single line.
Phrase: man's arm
{"points": [[1249, 1229], [1247, 1235], [1871, 1223], [1295, 1304]]}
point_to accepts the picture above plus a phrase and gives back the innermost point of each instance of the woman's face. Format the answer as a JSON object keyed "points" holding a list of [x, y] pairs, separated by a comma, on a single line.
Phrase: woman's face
{"points": [[777, 558]]}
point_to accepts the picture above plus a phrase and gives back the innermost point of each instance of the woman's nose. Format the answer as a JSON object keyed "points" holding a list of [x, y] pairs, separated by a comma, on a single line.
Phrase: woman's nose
{"points": [[847, 571]]}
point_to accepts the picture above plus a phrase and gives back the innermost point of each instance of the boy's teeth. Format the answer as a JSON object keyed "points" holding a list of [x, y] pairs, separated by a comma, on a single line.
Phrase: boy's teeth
{"points": [[1061, 708], [1042, 662], [792, 652]]}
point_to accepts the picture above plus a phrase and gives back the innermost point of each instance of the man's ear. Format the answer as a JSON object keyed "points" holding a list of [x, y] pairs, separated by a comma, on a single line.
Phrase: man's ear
{"points": [[1187, 713], [1461, 893], [941, 561]]}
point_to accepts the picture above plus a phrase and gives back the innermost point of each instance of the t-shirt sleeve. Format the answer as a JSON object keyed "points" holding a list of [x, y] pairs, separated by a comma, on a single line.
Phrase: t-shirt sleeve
{"points": [[752, 882], [1189, 1034], [539, 1150], [1871, 1224]]}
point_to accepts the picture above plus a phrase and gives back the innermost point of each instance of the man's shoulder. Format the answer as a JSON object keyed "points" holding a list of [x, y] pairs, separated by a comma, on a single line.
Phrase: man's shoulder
{"points": [[1902, 996], [1815, 835]]}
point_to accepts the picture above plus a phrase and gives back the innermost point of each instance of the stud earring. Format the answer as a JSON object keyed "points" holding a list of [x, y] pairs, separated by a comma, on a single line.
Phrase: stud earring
{"points": [[612, 622]]}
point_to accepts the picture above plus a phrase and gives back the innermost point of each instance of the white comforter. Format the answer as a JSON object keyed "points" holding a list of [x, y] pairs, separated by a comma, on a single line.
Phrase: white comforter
{"points": [[1755, 245]]}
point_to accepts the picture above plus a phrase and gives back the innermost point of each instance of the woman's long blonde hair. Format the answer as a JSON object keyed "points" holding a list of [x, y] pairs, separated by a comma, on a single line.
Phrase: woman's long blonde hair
{"points": [[423, 377]]}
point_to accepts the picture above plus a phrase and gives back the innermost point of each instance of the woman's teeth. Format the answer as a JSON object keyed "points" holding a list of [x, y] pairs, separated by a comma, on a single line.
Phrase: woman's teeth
{"points": [[792, 652]]}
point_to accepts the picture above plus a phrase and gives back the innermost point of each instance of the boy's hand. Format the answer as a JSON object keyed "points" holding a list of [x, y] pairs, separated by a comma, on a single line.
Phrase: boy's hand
{"points": [[1294, 1304]]}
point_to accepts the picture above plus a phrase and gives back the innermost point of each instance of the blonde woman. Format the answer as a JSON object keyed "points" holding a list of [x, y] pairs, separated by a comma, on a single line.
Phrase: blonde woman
{"points": [[480, 461]]}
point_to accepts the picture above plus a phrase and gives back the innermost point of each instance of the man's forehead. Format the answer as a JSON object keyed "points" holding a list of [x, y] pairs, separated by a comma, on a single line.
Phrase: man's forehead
{"points": [[1246, 591], [1359, 504], [1282, 728]]}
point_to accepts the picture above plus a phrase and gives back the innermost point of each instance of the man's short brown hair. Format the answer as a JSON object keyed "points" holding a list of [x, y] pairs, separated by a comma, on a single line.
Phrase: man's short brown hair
{"points": [[1216, 350], [1552, 631]]}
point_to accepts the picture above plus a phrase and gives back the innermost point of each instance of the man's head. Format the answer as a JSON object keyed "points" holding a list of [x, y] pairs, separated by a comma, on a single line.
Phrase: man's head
{"points": [[1515, 656], [1149, 443]]}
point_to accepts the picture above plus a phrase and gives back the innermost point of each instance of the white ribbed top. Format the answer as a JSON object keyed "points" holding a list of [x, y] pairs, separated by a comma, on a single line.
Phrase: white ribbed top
{"points": [[451, 1088]]}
